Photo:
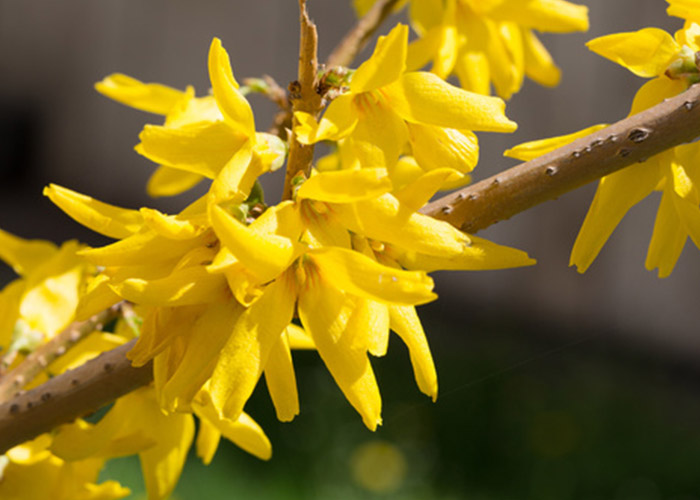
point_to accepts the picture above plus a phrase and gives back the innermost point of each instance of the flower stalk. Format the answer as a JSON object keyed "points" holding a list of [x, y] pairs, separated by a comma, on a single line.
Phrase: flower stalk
{"points": [[304, 97]]}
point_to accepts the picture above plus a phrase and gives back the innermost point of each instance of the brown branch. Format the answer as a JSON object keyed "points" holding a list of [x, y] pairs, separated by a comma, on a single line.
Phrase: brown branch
{"points": [[47, 353], [356, 39], [70, 395], [304, 98], [632, 140]]}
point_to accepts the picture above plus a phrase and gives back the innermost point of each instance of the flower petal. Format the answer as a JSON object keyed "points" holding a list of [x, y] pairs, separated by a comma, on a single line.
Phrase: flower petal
{"points": [[424, 98], [24, 255], [440, 147], [233, 105], [405, 322], [281, 380], [150, 97], [539, 65], [534, 149], [668, 238], [244, 432], [201, 148], [481, 254], [323, 311], [616, 194], [168, 181], [646, 53], [387, 63], [246, 352], [264, 253], [102, 218], [338, 121], [359, 275], [555, 16], [346, 186]]}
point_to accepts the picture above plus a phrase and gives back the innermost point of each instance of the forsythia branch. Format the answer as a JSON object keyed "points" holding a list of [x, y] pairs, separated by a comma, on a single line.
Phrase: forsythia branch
{"points": [[47, 353], [70, 395], [641, 136], [304, 98], [634, 139]]}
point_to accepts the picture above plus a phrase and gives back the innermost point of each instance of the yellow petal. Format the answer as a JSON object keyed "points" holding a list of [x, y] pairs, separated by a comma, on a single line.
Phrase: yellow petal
{"points": [[419, 192], [142, 248], [160, 327], [10, 297], [505, 52], [654, 91], [52, 291], [380, 134], [208, 437], [237, 177], [162, 464], [479, 255], [338, 121], [534, 149], [90, 347], [387, 63], [359, 275], [556, 16], [188, 286], [385, 219], [371, 323], [264, 254], [668, 238], [233, 105], [405, 322], [616, 194], [246, 353], [299, 338], [168, 181], [24, 255], [97, 297], [150, 97], [321, 310], [281, 380], [102, 218], [646, 53], [424, 98], [202, 148], [474, 72], [243, 431], [170, 226], [440, 147], [539, 65], [209, 334], [345, 186]]}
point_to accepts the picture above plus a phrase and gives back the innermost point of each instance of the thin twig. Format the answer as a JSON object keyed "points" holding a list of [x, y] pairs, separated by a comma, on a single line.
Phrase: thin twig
{"points": [[304, 97], [47, 353], [356, 39], [632, 140], [71, 395]]}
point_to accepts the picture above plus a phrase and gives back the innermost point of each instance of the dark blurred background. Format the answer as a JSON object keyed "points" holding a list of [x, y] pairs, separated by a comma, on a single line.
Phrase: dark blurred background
{"points": [[553, 384]]}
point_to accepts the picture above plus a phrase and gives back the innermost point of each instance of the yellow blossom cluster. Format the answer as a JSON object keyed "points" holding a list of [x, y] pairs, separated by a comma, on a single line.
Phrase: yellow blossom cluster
{"points": [[670, 62]]}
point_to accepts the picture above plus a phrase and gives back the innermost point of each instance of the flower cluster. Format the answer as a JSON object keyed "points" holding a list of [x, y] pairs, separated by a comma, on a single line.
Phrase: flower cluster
{"points": [[670, 62], [486, 42]]}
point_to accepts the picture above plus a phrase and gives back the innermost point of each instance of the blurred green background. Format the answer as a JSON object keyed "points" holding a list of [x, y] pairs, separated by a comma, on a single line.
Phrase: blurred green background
{"points": [[521, 415]]}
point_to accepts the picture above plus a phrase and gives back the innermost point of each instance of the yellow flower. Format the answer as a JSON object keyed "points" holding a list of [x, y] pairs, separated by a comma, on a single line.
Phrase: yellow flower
{"points": [[32, 472], [687, 9], [648, 53], [491, 41], [385, 109], [201, 136], [47, 297]]}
